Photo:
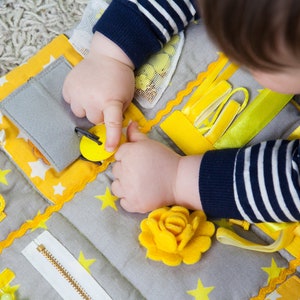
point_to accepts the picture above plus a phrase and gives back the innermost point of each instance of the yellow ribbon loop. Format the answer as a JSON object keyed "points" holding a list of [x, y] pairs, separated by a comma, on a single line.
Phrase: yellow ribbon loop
{"points": [[286, 236]]}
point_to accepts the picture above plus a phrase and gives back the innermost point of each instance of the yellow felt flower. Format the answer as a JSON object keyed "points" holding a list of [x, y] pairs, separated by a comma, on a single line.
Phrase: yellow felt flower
{"points": [[173, 235]]}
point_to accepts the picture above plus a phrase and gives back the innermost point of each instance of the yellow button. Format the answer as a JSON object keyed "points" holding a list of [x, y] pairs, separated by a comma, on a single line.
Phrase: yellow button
{"points": [[90, 150]]}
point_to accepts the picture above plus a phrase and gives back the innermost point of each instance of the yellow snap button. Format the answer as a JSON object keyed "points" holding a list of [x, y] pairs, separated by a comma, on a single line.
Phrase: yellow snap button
{"points": [[90, 149]]}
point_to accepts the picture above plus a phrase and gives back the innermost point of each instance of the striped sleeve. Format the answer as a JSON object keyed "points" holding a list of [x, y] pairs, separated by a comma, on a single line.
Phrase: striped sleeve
{"points": [[262, 182], [141, 27]]}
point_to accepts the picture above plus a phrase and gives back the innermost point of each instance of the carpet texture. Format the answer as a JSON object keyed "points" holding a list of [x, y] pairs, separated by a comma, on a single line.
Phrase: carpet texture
{"points": [[26, 26]]}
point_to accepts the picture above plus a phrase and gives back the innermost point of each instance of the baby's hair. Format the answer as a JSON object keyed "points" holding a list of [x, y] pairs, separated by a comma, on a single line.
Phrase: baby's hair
{"points": [[254, 32]]}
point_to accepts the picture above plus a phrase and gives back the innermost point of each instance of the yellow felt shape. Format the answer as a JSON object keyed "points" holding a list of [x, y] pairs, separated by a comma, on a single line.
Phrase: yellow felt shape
{"points": [[90, 149], [173, 235]]}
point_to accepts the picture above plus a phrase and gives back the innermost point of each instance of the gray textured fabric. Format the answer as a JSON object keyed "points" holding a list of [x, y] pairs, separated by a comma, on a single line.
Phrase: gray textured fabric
{"points": [[38, 109]]}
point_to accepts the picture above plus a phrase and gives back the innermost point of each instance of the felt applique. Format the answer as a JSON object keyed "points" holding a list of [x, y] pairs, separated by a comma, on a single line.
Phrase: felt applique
{"points": [[7, 292], [173, 235], [3, 178], [108, 200], [273, 271], [86, 263], [201, 292]]}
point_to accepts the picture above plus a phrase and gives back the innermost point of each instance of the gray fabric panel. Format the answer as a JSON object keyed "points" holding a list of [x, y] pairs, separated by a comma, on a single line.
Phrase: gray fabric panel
{"points": [[38, 109]]}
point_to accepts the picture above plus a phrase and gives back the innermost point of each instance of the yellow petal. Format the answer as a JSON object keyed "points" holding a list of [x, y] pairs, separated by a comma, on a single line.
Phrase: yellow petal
{"points": [[157, 213], [170, 259], [144, 226], [195, 222], [176, 223], [185, 237], [181, 209], [146, 239], [205, 228], [192, 252], [165, 241], [198, 213]]}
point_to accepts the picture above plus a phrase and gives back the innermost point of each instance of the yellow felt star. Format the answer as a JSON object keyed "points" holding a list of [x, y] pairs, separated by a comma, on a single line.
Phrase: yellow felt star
{"points": [[201, 292], [42, 224], [86, 263], [3, 174], [108, 200], [273, 271]]}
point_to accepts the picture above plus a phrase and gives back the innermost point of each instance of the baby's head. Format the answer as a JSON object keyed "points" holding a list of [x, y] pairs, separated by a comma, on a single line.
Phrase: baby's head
{"points": [[262, 35]]}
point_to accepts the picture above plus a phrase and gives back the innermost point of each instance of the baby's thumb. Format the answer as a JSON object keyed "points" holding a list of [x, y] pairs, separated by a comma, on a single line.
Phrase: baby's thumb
{"points": [[133, 133]]}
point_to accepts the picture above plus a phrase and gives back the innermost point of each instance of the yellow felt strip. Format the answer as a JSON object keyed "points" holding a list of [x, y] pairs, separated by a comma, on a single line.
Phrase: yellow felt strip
{"points": [[295, 134], [185, 135], [224, 120], [274, 282], [6, 276], [254, 118], [207, 82], [208, 103]]}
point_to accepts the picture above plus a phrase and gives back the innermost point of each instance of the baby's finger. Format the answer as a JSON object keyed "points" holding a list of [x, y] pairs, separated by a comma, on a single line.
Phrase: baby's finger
{"points": [[78, 110], [113, 117], [116, 188]]}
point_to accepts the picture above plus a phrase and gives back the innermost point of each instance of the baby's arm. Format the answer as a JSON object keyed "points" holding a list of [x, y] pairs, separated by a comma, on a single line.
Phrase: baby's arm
{"points": [[102, 85], [258, 183]]}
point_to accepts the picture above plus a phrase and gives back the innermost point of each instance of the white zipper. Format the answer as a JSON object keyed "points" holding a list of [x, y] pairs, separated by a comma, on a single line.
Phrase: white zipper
{"points": [[66, 275]]}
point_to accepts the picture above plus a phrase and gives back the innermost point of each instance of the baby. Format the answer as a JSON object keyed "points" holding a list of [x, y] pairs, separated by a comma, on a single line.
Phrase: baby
{"points": [[258, 183]]}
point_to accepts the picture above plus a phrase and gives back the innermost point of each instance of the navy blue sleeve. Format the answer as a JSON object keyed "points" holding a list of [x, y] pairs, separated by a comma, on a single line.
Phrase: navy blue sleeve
{"points": [[260, 183], [140, 28]]}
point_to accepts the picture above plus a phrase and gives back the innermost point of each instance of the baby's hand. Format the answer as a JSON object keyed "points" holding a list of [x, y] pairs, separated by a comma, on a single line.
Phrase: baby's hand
{"points": [[148, 175], [101, 87], [145, 173]]}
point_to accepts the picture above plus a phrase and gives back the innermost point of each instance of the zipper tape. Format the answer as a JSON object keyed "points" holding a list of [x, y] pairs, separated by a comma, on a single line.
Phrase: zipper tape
{"points": [[63, 272]]}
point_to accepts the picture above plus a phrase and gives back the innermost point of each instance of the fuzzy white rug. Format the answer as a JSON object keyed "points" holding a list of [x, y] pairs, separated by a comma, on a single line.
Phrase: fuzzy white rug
{"points": [[26, 26]]}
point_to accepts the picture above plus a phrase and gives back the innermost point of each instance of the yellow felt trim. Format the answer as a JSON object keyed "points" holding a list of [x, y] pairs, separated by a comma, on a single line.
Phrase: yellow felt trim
{"points": [[185, 135], [21, 74], [290, 289], [291, 269]]}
